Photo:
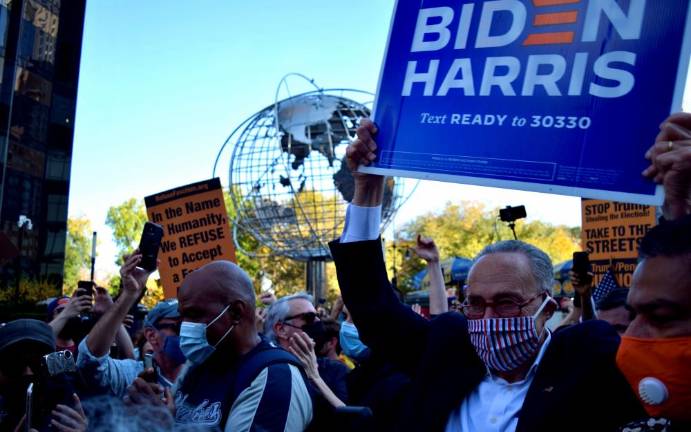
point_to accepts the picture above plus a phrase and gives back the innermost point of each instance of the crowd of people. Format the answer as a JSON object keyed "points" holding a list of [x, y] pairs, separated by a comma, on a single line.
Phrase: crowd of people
{"points": [[219, 358]]}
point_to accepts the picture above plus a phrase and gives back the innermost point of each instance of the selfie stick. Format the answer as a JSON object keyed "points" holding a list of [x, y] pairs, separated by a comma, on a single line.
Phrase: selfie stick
{"points": [[93, 256], [512, 225]]}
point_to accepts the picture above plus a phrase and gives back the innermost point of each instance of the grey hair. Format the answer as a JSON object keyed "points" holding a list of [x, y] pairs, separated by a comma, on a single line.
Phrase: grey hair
{"points": [[278, 311], [540, 263]]}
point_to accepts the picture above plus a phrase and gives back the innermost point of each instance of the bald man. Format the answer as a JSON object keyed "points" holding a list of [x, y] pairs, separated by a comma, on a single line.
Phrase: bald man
{"points": [[222, 387]]}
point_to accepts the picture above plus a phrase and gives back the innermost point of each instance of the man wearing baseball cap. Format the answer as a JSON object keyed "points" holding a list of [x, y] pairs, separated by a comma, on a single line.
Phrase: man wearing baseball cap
{"points": [[23, 343], [64, 318], [161, 329]]}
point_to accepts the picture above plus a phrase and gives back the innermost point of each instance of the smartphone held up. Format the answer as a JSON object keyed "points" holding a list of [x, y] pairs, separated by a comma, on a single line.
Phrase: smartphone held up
{"points": [[149, 244], [85, 288], [581, 267]]}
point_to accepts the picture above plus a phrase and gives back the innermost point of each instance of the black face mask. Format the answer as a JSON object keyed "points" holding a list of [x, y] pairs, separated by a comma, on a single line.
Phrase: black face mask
{"points": [[72, 329], [317, 332], [19, 384], [88, 321]]}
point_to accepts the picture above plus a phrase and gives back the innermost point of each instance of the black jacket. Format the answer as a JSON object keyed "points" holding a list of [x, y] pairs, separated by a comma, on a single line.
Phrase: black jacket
{"points": [[334, 374], [577, 386]]}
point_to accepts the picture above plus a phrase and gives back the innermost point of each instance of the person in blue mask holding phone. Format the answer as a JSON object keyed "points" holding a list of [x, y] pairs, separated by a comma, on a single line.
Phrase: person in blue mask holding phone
{"points": [[235, 380], [106, 375]]}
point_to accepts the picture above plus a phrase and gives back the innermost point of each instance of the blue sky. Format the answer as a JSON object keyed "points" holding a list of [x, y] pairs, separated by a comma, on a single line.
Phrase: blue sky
{"points": [[163, 83]]}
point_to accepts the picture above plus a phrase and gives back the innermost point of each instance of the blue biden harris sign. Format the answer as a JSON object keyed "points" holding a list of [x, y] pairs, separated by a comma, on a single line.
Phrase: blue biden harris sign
{"points": [[558, 96]]}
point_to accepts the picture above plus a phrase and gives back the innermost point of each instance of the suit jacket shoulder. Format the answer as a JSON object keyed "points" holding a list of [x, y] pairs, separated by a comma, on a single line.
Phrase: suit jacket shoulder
{"points": [[449, 371], [578, 375]]}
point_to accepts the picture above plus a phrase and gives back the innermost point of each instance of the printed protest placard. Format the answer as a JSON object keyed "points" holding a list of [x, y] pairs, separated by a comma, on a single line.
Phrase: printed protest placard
{"points": [[195, 230], [558, 96], [611, 232]]}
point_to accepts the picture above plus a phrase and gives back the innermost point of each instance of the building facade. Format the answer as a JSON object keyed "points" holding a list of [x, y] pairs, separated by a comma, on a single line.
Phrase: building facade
{"points": [[40, 49]]}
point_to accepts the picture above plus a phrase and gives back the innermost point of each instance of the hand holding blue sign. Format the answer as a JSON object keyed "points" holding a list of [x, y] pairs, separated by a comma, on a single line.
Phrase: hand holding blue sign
{"points": [[670, 159], [369, 188], [363, 150]]}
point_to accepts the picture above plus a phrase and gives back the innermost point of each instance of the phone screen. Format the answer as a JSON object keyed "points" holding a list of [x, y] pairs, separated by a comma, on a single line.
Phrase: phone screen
{"points": [[148, 361]]}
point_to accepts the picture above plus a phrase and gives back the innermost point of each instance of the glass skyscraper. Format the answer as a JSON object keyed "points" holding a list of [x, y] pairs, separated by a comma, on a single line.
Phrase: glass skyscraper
{"points": [[40, 49]]}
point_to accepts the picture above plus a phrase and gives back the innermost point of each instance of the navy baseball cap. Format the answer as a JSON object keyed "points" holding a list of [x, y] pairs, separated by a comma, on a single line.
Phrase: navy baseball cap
{"points": [[163, 309], [26, 330]]}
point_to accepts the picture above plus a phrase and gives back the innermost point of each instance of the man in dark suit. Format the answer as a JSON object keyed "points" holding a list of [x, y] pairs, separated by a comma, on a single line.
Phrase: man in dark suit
{"points": [[497, 367]]}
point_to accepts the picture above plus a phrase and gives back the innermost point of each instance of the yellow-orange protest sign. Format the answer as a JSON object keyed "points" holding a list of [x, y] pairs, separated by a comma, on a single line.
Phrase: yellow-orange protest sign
{"points": [[611, 233], [196, 230]]}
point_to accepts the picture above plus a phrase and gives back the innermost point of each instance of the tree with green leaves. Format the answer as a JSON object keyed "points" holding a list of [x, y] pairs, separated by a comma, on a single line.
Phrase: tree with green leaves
{"points": [[127, 222], [464, 229], [77, 252], [246, 262]]}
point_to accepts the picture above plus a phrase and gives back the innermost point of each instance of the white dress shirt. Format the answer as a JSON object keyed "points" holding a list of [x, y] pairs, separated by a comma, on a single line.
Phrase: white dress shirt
{"points": [[495, 403], [361, 223]]}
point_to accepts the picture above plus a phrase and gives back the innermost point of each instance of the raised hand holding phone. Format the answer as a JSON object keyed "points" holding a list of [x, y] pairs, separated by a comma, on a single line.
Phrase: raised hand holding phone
{"points": [[581, 276], [85, 288], [149, 244], [149, 373], [133, 277], [79, 303]]}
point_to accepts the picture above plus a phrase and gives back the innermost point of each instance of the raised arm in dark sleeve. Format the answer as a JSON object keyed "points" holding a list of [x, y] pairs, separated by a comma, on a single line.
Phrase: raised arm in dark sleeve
{"points": [[384, 323]]}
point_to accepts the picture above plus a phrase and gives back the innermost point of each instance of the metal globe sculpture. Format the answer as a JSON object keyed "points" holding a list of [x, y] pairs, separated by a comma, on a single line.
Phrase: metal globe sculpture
{"points": [[288, 178]]}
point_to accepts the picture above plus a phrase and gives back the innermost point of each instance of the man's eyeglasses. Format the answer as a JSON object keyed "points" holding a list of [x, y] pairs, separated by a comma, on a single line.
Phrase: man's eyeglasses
{"points": [[504, 308], [175, 327], [307, 317]]}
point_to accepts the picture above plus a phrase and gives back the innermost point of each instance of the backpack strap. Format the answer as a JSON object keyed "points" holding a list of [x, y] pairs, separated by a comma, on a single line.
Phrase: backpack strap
{"points": [[250, 369]]}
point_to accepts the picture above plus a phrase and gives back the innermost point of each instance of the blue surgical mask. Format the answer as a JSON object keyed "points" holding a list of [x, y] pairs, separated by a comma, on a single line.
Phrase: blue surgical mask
{"points": [[171, 349], [350, 341], [193, 342]]}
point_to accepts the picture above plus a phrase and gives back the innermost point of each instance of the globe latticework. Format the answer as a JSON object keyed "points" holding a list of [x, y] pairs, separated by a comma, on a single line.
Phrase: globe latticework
{"points": [[288, 176]]}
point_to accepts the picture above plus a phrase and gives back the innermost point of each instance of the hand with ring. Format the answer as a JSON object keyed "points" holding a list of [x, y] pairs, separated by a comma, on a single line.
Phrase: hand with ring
{"points": [[670, 164]]}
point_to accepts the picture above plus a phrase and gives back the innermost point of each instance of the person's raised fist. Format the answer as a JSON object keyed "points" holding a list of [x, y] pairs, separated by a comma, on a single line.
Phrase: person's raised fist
{"points": [[362, 150], [670, 164]]}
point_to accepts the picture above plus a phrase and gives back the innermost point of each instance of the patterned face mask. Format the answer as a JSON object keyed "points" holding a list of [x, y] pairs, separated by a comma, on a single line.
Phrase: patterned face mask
{"points": [[506, 343]]}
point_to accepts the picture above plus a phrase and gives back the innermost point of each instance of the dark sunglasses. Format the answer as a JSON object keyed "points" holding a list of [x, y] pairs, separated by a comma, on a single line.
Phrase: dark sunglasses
{"points": [[307, 317]]}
